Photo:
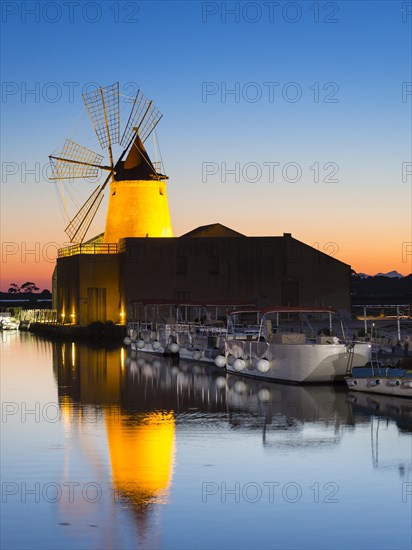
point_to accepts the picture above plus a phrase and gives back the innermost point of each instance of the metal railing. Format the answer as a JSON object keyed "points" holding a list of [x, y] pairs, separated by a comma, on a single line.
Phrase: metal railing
{"points": [[88, 248], [38, 316]]}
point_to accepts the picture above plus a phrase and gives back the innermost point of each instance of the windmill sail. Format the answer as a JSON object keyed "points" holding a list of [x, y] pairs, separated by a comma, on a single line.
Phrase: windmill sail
{"points": [[103, 106], [75, 161], [143, 118], [77, 228]]}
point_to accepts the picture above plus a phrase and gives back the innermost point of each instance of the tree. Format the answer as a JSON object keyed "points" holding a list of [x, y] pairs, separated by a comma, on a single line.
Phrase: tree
{"points": [[14, 288], [25, 287], [28, 287]]}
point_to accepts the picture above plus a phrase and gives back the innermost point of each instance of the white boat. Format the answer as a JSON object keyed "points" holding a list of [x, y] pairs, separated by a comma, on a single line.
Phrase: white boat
{"points": [[192, 331], [384, 380], [294, 344], [8, 323]]}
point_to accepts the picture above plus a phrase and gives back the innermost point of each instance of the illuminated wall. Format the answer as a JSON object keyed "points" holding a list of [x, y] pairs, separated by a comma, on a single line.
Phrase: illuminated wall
{"points": [[137, 209], [88, 289]]}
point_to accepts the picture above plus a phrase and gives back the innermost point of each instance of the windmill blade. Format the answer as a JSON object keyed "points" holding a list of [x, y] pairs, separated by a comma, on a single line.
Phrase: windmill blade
{"points": [[149, 123], [75, 161], [77, 228], [103, 106], [144, 117]]}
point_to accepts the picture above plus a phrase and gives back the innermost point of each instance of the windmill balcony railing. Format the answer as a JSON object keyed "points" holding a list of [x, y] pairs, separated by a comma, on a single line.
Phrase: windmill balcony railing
{"points": [[88, 248]]}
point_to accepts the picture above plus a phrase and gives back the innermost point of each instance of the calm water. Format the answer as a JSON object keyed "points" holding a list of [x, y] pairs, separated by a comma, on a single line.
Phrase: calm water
{"points": [[104, 450]]}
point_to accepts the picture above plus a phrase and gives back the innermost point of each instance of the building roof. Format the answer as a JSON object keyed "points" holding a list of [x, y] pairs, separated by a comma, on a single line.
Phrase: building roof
{"points": [[96, 239], [213, 230], [137, 165]]}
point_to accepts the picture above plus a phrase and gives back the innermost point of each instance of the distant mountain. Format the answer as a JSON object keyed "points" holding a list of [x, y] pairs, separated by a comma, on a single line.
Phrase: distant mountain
{"points": [[381, 290], [390, 274], [363, 275]]}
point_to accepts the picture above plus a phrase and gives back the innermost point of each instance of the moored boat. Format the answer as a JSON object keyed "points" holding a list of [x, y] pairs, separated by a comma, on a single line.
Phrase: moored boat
{"points": [[192, 331], [291, 343], [9, 323], [379, 379]]}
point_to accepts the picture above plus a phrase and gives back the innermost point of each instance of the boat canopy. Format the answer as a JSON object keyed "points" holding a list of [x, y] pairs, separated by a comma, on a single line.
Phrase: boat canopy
{"points": [[285, 309], [157, 302]]}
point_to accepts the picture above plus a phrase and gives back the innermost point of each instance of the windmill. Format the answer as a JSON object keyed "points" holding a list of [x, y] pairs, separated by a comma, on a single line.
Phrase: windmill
{"points": [[138, 204]]}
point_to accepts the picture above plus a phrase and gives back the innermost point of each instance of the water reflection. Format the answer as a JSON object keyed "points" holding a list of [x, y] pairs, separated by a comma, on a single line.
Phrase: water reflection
{"points": [[296, 417], [137, 399], [102, 378], [382, 406], [404, 468], [141, 456], [289, 415], [142, 397], [150, 432], [93, 386], [286, 406]]}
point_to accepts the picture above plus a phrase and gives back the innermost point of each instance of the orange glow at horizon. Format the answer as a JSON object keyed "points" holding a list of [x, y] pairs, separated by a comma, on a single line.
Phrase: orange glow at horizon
{"points": [[386, 252], [14, 271], [384, 257]]}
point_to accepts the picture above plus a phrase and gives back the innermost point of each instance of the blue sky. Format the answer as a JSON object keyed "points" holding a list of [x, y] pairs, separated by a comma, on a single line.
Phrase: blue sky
{"points": [[345, 60]]}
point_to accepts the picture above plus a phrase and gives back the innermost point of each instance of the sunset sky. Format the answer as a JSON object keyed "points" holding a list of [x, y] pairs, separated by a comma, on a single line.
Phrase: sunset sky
{"points": [[278, 117]]}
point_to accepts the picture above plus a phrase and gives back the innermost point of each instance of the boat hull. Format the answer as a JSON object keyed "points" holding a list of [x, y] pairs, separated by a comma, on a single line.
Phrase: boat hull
{"points": [[191, 354], [300, 363], [397, 386], [189, 343]]}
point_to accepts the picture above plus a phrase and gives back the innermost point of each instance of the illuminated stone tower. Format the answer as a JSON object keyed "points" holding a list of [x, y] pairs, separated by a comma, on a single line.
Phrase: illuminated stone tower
{"points": [[138, 204]]}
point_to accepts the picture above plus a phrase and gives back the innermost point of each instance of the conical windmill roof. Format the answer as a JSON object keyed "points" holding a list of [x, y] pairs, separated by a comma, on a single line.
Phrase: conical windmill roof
{"points": [[137, 165]]}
